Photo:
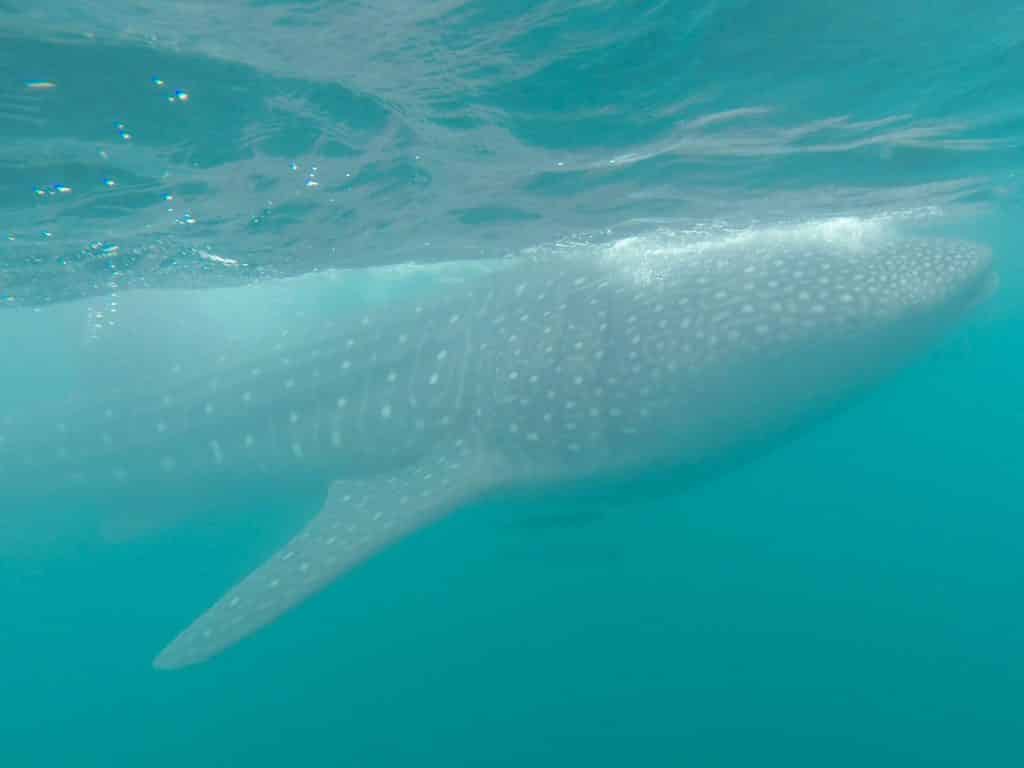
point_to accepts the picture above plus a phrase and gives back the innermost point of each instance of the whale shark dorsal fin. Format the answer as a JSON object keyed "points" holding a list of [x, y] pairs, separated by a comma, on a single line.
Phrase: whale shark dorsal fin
{"points": [[359, 518]]}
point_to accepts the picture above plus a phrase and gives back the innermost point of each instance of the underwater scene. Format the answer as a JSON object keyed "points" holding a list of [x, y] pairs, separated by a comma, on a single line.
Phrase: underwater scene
{"points": [[506, 382]]}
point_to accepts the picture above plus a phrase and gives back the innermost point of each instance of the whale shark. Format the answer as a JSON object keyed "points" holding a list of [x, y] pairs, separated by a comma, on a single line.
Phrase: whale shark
{"points": [[543, 374]]}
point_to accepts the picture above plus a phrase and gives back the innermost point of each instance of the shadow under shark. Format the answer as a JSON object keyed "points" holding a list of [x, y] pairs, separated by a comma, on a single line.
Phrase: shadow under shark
{"points": [[564, 374]]}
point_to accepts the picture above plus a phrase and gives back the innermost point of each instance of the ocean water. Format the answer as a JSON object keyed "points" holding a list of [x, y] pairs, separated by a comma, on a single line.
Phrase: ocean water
{"points": [[852, 597]]}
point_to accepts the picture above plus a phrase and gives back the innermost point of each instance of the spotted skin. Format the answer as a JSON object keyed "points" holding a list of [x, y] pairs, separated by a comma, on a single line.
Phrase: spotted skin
{"points": [[529, 377]]}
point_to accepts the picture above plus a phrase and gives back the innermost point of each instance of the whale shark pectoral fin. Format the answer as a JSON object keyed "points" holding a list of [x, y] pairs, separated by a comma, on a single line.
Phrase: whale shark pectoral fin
{"points": [[359, 518]]}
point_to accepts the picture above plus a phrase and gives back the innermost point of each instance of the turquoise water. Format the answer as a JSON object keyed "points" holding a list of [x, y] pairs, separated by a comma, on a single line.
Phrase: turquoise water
{"points": [[853, 597]]}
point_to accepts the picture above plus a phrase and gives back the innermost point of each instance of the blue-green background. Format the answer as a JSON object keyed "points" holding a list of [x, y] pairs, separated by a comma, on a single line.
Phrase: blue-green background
{"points": [[852, 599]]}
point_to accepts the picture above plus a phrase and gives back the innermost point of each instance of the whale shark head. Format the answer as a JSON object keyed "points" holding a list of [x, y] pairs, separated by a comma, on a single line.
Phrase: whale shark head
{"points": [[893, 294], [741, 339], [869, 309], [917, 285]]}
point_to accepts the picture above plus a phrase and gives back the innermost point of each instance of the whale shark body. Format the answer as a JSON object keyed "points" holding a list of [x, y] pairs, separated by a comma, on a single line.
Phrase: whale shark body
{"points": [[542, 374]]}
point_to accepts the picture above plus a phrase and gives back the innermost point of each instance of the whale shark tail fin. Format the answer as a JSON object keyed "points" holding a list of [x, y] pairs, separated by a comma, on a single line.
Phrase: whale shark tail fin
{"points": [[359, 518]]}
